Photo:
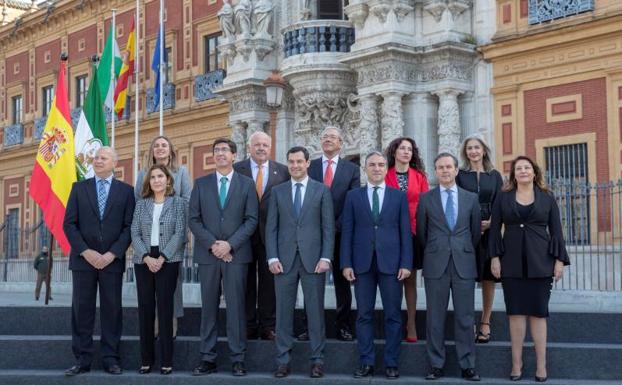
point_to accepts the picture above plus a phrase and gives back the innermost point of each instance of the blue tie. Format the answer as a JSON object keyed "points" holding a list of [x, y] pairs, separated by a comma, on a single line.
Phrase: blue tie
{"points": [[298, 199], [102, 196], [450, 210], [222, 195]]}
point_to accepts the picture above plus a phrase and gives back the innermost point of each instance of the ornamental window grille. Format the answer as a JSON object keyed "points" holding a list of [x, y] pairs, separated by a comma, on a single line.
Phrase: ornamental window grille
{"points": [[546, 10]]}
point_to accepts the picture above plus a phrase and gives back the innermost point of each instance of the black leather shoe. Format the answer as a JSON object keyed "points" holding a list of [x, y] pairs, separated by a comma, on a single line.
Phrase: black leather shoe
{"points": [[144, 369], [166, 371], [282, 371], [434, 374], [317, 371], [470, 375], [304, 336], [113, 369], [391, 373], [206, 367], [364, 371], [238, 369], [344, 335], [77, 369]]}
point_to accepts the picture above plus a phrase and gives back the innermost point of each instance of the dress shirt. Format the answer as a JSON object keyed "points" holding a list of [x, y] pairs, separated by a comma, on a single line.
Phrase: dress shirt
{"points": [[228, 176], [107, 185], [155, 224], [335, 160], [454, 195], [370, 194], [266, 173]]}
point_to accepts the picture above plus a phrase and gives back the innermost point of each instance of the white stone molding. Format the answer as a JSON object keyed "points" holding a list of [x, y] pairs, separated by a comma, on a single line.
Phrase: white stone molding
{"points": [[392, 117], [357, 14], [238, 136], [449, 131]]}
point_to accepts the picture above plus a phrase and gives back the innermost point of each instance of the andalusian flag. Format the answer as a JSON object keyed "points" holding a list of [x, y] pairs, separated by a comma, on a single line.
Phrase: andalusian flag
{"points": [[104, 70], [120, 93], [91, 132], [54, 171]]}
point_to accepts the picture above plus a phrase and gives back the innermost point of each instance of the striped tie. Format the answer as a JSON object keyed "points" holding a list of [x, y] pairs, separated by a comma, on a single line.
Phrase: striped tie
{"points": [[102, 196]]}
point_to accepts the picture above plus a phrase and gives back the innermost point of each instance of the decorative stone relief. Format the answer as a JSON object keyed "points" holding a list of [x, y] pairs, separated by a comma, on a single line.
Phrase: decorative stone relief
{"points": [[357, 14], [435, 8], [402, 9], [246, 99], [448, 121], [380, 10], [366, 108], [254, 126], [396, 71], [305, 13], [446, 71], [262, 15], [456, 7], [392, 117], [238, 136], [242, 14]]}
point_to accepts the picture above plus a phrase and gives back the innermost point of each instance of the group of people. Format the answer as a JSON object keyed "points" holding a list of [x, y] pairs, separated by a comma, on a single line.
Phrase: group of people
{"points": [[261, 228]]}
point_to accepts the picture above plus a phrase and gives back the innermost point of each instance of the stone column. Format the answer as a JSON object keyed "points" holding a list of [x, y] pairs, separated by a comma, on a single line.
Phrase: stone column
{"points": [[448, 121], [254, 126], [392, 118], [368, 128], [238, 136]]}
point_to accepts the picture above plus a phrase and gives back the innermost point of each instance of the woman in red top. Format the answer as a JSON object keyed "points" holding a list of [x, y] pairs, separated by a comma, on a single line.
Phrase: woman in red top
{"points": [[406, 173]]}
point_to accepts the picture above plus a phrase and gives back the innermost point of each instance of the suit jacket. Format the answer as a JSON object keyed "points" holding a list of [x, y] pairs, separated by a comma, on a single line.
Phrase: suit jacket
{"points": [[312, 234], [389, 237], [235, 223], [277, 174], [347, 177], [439, 242], [173, 220], [85, 230], [538, 239]]}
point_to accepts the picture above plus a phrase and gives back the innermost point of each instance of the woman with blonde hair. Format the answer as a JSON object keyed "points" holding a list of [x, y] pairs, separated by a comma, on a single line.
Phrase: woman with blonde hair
{"points": [[478, 175]]}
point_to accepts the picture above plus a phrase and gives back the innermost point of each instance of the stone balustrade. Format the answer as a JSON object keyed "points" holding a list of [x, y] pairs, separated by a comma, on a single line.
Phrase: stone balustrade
{"points": [[317, 36]]}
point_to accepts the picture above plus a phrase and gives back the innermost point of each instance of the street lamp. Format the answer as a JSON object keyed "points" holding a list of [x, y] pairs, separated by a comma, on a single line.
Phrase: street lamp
{"points": [[274, 89]]}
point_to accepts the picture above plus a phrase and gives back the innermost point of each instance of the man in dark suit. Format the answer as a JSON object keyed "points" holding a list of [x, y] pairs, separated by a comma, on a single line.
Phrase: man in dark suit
{"points": [[260, 299], [299, 246], [97, 224], [377, 252], [448, 228], [340, 176], [223, 217]]}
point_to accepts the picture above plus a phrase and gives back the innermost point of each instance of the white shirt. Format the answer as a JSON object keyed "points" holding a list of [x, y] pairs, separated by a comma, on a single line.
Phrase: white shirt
{"points": [[370, 194], [255, 171], [155, 224], [228, 176], [454, 195], [333, 165]]}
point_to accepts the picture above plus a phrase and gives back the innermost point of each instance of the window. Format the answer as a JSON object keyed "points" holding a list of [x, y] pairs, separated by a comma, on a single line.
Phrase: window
{"points": [[81, 89], [331, 9], [18, 109], [12, 234], [47, 94], [212, 59]]}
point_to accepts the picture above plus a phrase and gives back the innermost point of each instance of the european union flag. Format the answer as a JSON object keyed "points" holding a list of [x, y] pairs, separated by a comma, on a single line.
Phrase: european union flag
{"points": [[155, 66]]}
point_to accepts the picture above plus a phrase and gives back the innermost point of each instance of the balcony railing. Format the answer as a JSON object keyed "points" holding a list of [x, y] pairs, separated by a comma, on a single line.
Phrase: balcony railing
{"points": [[318, 36], [204, 84], [126, 111], [39, 127], [168, 99], [75, 117], [546, 10], [13, 135]]}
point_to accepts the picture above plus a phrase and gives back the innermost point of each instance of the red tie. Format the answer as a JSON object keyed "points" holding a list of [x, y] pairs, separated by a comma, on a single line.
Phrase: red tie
{"points": [[328, 175]]}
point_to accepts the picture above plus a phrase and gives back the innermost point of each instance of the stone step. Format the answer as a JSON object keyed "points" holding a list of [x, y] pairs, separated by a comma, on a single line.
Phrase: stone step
{"points": [[55, 377], [565, 360], [562, 327]]}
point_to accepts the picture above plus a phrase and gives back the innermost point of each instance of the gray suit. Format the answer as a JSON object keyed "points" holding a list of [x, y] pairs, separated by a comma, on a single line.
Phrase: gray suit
{"points": [[449, 263], [299, 243], [235, 223]]}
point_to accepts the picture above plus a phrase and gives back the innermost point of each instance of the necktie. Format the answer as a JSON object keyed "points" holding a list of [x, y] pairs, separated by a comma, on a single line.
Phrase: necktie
{"points": [[223, 191], [102, 196], [375, 204], [328, 174], [298, 199], [450, 210], [259, 182]]}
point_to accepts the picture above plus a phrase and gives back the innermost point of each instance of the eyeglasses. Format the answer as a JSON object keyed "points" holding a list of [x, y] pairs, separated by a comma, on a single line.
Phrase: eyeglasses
{"points": [[221, 150]]}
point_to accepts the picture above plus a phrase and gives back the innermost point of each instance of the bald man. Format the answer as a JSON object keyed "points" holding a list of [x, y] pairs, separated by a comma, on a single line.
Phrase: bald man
{"points": [[97, 224], [260, 297]]}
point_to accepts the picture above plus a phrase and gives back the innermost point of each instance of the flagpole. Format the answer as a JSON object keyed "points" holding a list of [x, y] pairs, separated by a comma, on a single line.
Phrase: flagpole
{"points": [[136, 93], [161, 66], [112, 76]]}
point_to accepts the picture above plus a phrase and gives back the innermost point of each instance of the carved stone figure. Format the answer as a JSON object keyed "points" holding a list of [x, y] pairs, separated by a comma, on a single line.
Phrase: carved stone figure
{"points": [[262, 15], [305, 12], [392, 117], [242, 13], [448, 121], [225, 17]]}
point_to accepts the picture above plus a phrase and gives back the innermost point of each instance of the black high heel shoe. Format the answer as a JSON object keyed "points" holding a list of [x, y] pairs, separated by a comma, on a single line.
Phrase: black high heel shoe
{"points": [[166, 371], [144, 369], [541, 379], [481, 338], [517, 377]]}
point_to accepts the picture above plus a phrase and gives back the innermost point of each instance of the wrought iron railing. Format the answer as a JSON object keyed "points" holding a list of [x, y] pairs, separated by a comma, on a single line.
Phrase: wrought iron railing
{"points": [[168, 99], [546, 10], [39, 127], [318, 36], [75, 116], [13, 135], [204, 84]]}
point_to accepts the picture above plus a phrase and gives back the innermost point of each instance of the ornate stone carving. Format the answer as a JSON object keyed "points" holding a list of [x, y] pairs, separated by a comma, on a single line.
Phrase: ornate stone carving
{"points": [[246, 99], [402, 9], [242, 13], [393, 71], [448, 121], [357, 14], [380, 10], [435, 8], [254, 126], [456, 7], [244, 47], [392, 117], [305, 13], [227, 23], [238, 136], [262, 15], [368, 127], [446, 71]]}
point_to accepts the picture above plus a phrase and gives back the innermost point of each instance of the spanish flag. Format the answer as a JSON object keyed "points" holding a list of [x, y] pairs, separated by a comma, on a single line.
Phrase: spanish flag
{"points": [[54, 171], [120, 92]]}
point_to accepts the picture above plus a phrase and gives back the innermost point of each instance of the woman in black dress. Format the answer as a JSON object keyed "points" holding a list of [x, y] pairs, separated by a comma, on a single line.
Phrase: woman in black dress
{"points": [[479, 176], [527, 257]]}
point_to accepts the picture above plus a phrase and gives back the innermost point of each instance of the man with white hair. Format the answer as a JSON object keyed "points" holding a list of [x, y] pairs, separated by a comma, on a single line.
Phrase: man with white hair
{"points": [[97, 224], [260, 296]]}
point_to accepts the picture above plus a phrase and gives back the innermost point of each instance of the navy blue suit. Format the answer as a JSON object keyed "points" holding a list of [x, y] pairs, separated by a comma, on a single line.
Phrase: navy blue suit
{"points": [[376, 250]]}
